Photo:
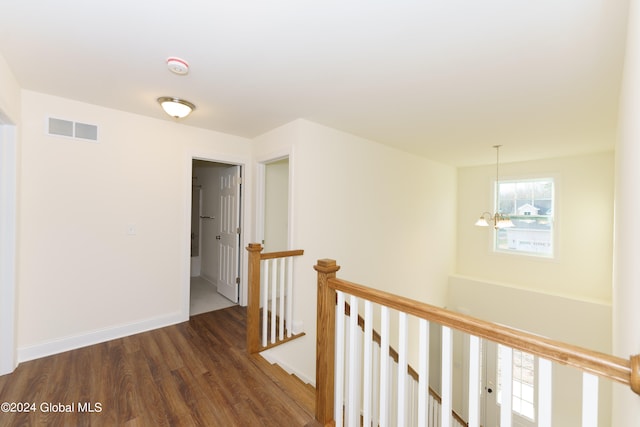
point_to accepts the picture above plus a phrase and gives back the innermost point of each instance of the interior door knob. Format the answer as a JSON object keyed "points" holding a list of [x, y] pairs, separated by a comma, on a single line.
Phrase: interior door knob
{"points": [[217, 237]]}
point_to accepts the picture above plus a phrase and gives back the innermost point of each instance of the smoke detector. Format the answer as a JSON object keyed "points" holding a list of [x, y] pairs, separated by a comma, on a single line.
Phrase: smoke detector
{"points": [[178, 66]]}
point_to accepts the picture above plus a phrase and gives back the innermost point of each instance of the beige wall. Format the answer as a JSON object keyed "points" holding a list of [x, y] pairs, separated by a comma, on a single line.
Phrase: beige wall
{"points": [[386, 216], [81, 276], [583, 216], [567, 298]]}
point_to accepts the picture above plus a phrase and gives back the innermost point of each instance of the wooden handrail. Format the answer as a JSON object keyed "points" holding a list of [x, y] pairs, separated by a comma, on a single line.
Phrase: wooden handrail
{"points": [[621, 370], [604, 365], [281, 254], [253, 295]]}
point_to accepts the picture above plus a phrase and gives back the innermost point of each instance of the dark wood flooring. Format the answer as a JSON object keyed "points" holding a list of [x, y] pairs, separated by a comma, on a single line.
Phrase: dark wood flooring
{"points": [[195, 373]]}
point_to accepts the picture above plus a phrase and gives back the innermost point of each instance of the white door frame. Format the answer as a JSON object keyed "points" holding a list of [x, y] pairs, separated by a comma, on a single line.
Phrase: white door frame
{"points": [[8, 229], [245, 198], [491, 408], [260, 192]]}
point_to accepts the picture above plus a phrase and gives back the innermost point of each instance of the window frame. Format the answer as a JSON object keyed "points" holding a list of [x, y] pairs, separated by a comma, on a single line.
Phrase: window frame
{"points": [[554, 218]]}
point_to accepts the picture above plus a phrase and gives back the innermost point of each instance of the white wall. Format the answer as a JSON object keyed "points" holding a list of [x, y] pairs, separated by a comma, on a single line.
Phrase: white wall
{"points": [[9, 184], [386, 216], [567, 298], [82, 277], [583, 218], [626, 282]]}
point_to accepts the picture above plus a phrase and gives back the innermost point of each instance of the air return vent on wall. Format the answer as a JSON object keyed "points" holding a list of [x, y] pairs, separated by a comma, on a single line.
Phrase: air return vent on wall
{"points": [[72, 129]]}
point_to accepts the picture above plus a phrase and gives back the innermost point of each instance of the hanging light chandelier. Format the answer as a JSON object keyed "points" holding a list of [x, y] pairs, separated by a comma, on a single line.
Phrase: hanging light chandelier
{"points": [[498, 219]]}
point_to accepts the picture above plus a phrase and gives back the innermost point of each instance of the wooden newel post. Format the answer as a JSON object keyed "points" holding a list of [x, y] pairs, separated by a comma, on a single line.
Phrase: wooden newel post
{"points": [[253, 299], [325, 341]]}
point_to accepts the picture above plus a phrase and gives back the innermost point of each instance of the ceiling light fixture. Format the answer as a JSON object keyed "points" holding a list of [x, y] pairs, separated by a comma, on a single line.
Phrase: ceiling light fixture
{"points": [[176, 107], [499, 220]]}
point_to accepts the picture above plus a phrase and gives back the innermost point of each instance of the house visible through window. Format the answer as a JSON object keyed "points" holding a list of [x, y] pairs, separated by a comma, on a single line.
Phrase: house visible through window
{"points": [[529, 203]]}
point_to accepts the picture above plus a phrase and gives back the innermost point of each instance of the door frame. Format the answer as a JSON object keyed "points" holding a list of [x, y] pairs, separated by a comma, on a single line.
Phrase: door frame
{"points": [[245, 234], [8, 244], [261, 170], [490, 406]]}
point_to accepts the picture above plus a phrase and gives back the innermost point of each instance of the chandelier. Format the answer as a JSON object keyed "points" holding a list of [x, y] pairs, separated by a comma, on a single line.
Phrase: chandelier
{"points": [[498, 219]]}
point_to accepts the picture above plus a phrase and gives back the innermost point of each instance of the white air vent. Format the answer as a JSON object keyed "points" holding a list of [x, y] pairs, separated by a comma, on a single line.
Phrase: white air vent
{"points": [[60, 127], [72, 129]]}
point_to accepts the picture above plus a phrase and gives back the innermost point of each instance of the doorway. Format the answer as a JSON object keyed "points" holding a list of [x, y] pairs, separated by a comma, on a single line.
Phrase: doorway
{"points": [[275, 205], [8, 197], [522, 390], [216, 213]]}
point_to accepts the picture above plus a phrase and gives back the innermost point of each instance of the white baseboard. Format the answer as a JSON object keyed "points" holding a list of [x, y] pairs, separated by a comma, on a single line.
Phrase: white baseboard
{"points": [[95, 337], [209, 279]]}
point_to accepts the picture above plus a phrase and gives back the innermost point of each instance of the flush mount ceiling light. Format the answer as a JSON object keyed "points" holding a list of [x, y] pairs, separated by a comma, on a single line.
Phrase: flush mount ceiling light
{"points": [[176, 107], [499, 220]]}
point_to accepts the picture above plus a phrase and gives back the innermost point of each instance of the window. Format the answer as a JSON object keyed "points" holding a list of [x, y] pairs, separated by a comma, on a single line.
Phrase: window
{"points": [[530, 205], [523, 385]]}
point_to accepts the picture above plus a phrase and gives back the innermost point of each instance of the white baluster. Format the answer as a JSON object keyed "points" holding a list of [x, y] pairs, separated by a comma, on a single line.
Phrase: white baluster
{"points": [[447, 372], [589, 400], [347, 368], [393, 385], [368, 341], [474, 381], [384, 366], [506, 382], [402, 368], [413, 401], [289, 296], [423, 373], [375, 416], [281, 282], [544, 392], [274, 298], [265, 299], [339, 361], [435, 411], [352, 397]]}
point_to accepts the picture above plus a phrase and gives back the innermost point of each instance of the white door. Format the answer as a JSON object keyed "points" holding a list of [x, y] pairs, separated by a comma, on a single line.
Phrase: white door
{"points": [[524, 385], [229, 233]]}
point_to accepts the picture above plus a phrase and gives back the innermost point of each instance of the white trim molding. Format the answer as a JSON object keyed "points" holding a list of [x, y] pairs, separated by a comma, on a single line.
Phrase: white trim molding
{"points": [[8, 214], [95, 337]]}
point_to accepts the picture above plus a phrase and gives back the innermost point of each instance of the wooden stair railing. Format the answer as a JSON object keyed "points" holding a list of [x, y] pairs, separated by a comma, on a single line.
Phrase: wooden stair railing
{"points": [[624, 371], [269, 317]]}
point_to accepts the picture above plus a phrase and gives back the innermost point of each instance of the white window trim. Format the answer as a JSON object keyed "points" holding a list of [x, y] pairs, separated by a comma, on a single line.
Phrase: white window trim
{"points": [[557, 209]]}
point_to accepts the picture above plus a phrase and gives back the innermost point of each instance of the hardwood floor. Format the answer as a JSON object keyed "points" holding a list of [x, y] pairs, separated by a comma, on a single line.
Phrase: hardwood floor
{"points": [[195, 373]]}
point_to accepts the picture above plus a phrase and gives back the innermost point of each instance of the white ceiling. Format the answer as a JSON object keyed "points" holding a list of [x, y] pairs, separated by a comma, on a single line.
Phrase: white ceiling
{"points": [[446, 79]]}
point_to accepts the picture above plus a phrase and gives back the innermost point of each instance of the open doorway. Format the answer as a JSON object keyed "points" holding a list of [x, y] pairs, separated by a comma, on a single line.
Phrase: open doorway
{"points": [[215, 236], [275, 205]]}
